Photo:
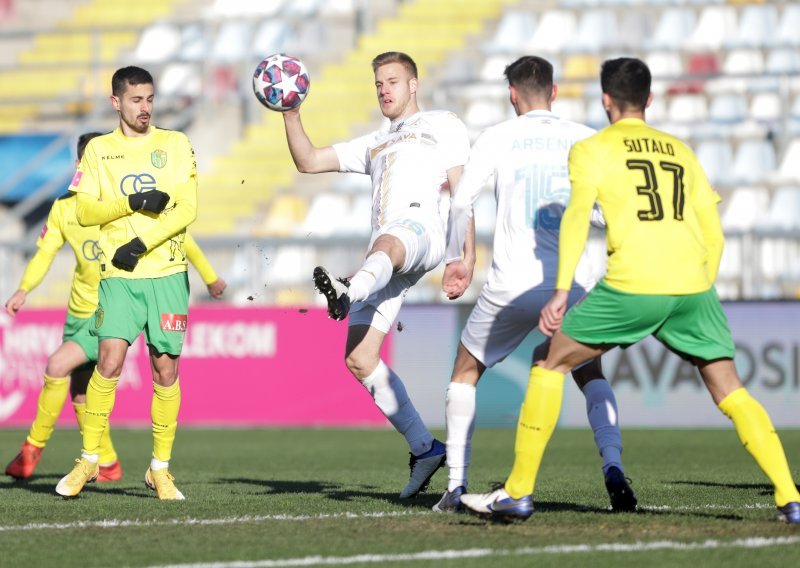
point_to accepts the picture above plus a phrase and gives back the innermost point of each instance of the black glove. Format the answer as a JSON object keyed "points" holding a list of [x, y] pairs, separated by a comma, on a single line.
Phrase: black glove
{"points": [[154, 201], [128, 254]]}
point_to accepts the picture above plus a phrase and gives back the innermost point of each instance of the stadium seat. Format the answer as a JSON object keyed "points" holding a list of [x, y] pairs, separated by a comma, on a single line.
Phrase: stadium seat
{"points": [[512, 32], [556, 29], [483, 113], [158, 43], [766, 107], [672, 29], [728, 109], [270, 35], [757, 25], [753, 161], [716, 157], [181, 79], [746, 206], [715, 27], [194, 43], [232, 42], [638, 26], [493, 68], [664, 64], [783, 61], [571, 108], [743, 62], [324, 216], [358, 220], [786, 34], [597, 31], [688, 108], [789, 169]]}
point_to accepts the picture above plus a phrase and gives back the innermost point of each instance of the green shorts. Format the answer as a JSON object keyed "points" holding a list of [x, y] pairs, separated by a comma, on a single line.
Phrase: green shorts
{"points": [[157, 306], [79, 330], [693, 325]]}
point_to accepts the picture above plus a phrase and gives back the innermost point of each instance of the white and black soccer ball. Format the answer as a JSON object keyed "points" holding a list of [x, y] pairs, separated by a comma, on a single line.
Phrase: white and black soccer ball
{"points": [[281, 82]]}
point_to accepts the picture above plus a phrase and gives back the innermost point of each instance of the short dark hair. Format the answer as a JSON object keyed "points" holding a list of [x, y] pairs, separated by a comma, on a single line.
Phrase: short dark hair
{"points": [[531, 74], [83, 140], [395, 57], [131, 75], [627, 81]]}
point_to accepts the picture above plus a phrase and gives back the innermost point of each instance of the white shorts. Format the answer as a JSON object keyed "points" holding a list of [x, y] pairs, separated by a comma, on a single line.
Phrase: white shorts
{"points": [[424, 244], [494, 330]]}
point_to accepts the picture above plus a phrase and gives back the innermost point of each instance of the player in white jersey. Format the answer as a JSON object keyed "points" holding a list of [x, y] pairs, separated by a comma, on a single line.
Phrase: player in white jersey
{"points": [[527, 158], [410, 163]]}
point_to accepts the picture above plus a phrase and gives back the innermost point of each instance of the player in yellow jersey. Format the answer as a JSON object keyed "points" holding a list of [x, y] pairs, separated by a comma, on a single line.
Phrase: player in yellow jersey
{"points": [[139, 184], [70, 366], [664, 242]]}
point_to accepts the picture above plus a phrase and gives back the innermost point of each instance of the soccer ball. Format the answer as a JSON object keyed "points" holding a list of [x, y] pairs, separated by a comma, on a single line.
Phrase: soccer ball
{"points": [[281, 82]]}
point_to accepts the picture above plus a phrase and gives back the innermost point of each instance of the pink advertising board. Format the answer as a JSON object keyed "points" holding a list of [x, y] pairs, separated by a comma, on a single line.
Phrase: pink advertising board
{"points": [[240, 366]]}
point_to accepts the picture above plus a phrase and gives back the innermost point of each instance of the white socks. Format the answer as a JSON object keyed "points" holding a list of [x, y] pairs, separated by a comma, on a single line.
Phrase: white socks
{"points": [[460, 418], [158, 464], [601, 408], [93, 458], [373, 275], [391, 398]]}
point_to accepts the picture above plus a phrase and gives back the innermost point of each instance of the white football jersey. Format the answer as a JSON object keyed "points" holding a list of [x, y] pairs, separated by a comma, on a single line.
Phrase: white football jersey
{"points": [[527, 157], [408, 164]]}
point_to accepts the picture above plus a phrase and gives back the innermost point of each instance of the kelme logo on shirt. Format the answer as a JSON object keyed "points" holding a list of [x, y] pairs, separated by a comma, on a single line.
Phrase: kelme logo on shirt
{"points": [[173, 322], [158, 158]]}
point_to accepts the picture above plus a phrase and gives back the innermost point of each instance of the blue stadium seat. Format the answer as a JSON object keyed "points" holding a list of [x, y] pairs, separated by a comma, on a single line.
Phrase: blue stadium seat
{"points": [[757, 25], [716, 157]]}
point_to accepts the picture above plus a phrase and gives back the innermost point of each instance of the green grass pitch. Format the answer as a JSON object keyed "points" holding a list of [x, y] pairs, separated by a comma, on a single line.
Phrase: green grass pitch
{"points": [[329, 497]]}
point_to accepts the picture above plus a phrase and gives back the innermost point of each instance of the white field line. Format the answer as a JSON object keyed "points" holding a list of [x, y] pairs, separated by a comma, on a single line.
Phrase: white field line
{"points": [[508, 552], [123, 523]]}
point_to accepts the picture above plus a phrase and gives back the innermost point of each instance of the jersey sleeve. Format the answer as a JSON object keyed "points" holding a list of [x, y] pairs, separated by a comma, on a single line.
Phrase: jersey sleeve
{"points": [[479, 169], [575, 223], [195, 255], [354, 155], [50, 241]]}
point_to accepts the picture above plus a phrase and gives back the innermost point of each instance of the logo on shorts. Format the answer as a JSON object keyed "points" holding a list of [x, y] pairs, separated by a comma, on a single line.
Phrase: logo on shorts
{"points": [[99, 316], [158, 158], [173, 322]]}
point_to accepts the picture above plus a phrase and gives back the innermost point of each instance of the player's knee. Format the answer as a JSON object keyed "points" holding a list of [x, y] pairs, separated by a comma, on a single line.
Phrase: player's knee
{"points": [[359, 365], [56, 367], [110, 368]]}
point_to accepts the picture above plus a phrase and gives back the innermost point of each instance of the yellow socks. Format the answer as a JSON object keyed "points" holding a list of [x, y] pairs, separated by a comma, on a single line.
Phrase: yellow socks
{"points": [[537, 420], [164, 414], [100, 395], [759, 438], [107, 453], [51, 401]]}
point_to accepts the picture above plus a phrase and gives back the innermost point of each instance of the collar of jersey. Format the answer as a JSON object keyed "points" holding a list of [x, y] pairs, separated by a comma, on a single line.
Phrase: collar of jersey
{"points": [[540, 112], [134, 139], [394, 126]]}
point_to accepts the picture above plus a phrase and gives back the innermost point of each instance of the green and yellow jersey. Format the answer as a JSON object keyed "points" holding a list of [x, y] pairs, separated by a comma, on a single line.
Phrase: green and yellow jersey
{"points": [[115, 166], [663, 235], [62, 227]]}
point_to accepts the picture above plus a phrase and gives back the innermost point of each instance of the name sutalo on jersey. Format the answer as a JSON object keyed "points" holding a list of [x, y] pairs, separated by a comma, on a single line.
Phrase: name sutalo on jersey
{"points": [[648, 145]]}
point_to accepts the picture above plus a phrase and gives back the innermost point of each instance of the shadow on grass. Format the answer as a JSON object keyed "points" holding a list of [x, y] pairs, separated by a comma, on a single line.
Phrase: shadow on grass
{"points": [[46, 484], [762, 488]]}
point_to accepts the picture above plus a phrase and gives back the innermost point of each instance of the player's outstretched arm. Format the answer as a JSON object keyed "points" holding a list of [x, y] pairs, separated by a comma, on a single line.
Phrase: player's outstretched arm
{"points": [[307, 158], [15, 302]]}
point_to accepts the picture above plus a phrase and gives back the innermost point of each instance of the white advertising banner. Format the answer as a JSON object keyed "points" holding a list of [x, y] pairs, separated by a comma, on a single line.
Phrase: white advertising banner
{"points": [[653, 386]]}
